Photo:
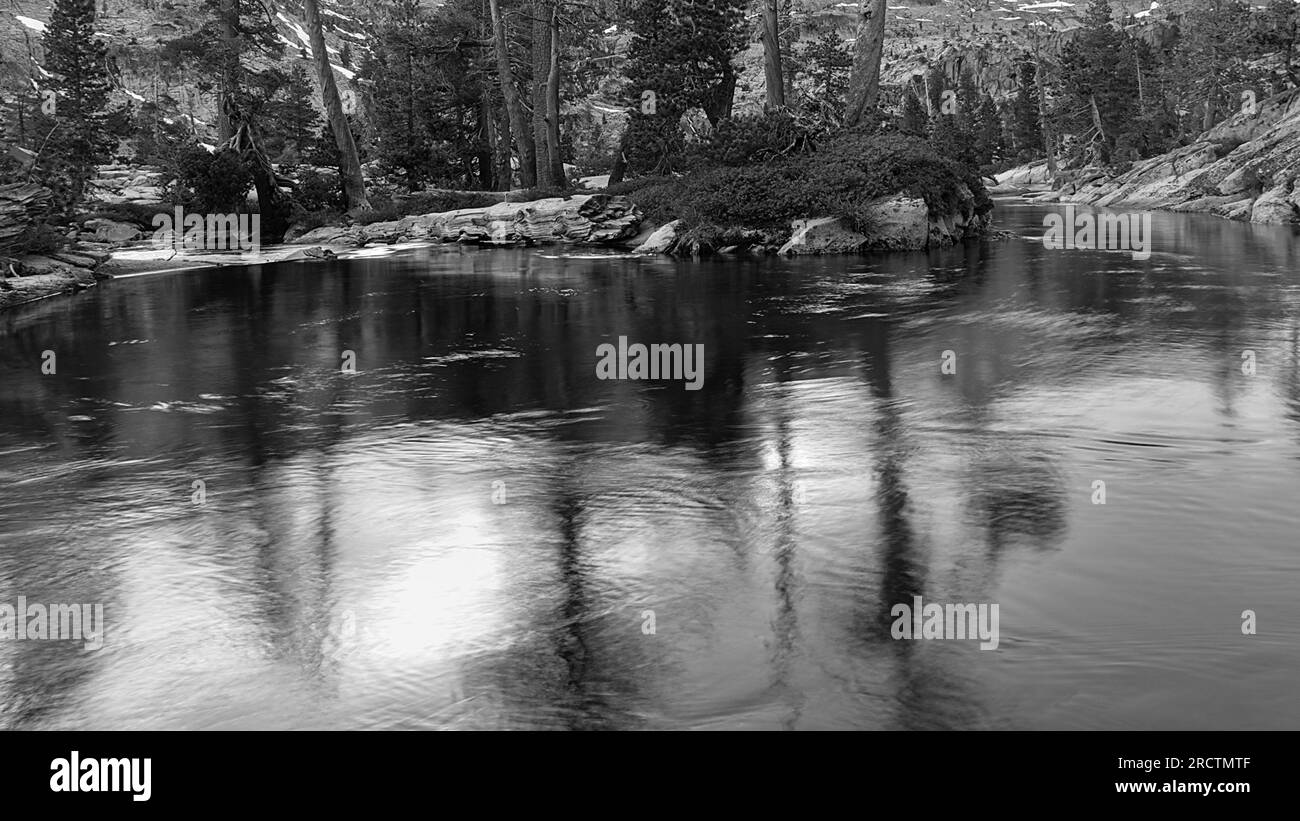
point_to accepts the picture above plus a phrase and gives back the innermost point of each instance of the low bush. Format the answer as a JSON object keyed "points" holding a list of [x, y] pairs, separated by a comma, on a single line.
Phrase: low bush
{"points": [[839, 179], [745, 141], [320, 191], [215, 182]]}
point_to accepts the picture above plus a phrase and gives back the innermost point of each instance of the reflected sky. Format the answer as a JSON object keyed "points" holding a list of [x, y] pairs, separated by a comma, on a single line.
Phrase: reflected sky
{"points": [[469, 531]]}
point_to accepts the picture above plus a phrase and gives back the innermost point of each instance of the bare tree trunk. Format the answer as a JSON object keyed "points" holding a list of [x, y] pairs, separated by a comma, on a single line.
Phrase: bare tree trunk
{"points": [[619, 169], [553, 102], [487, 145], [1040, 84], [354, 185], [541, 53], [1142, 97], [1096, 117], [722, 97], [228, 15], [505, 174], [772, 73], [500, 153], [864, 79], [272, 205], [514, 109]]}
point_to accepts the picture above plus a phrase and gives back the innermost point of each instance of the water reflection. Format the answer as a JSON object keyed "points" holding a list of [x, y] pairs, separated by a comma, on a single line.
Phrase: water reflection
{"points": [[350, 566]]}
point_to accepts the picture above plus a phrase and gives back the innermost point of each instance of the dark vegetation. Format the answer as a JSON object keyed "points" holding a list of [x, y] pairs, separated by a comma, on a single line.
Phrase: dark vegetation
{"points": [[497, 95]]}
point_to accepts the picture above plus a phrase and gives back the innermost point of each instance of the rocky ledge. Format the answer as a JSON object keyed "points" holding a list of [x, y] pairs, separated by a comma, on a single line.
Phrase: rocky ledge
{"points": [[895, 223], [1245, 168], [585, 219], [33, 277]]}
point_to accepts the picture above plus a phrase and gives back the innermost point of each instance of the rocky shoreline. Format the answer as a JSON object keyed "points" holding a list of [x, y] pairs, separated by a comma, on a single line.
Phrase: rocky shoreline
{"points": [[1246, 168], [103, 248], [897, 223]]}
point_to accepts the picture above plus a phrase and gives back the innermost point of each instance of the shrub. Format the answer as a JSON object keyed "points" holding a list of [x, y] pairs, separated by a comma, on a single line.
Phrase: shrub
{"points": [[840, 179], [213, 182], [741, 141], [320, 191]]}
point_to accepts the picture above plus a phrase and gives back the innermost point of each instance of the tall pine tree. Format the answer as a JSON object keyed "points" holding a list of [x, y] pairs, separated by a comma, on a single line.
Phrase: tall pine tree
{"points": [[78, 136], [681, 56]]}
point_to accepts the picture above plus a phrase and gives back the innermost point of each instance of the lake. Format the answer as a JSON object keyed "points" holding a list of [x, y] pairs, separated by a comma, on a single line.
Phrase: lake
{"points": [[473, 530]]}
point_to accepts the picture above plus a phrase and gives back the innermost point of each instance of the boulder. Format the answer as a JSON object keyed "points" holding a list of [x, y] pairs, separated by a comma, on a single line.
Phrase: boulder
{"points": [[824, 235], [661, 241], [77, 260], [110, 231], [345, 236], [97, 252], [898, 223], [1035, 174], [387, 232], [144, 193], [37, 265], [1276, 206]]}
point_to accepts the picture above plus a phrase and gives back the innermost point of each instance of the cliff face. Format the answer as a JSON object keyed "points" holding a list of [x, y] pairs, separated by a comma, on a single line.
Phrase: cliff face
{"points": [[1244, 168], [136, 32]]}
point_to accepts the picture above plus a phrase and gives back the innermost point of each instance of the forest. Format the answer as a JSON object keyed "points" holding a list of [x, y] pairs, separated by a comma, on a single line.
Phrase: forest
{"points": [[722, 113]]}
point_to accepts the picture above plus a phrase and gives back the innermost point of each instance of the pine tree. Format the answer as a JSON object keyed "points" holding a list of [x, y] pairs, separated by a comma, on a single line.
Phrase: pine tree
{"points": [[1278, 31], [78, 137], [968, 99], [1099, 99], [826, 62], [1214, 58], [913, 120], [1026, 130], [988, 132], [291, 122], [681, 54], [404, 79]]}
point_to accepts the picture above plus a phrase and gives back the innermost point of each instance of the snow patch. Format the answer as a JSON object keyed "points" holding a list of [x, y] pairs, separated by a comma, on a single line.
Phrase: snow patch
{"points": [[34, 25]]}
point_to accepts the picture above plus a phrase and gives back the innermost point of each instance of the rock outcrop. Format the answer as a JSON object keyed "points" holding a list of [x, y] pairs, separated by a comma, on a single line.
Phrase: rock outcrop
{"points": [[35, 276], [895, 223], [110, 232], [1245, 168], [823, 235], [585, 219], [661, 241], [1032, 177], [20, 205], [116, 184]]}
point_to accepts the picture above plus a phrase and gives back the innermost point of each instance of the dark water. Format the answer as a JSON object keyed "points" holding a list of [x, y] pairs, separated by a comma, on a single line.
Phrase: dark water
{"points": [[350, 567]]}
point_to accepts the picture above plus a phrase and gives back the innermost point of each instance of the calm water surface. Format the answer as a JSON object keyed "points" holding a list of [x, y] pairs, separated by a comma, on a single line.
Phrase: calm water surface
{"points": [[351, 569]]}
